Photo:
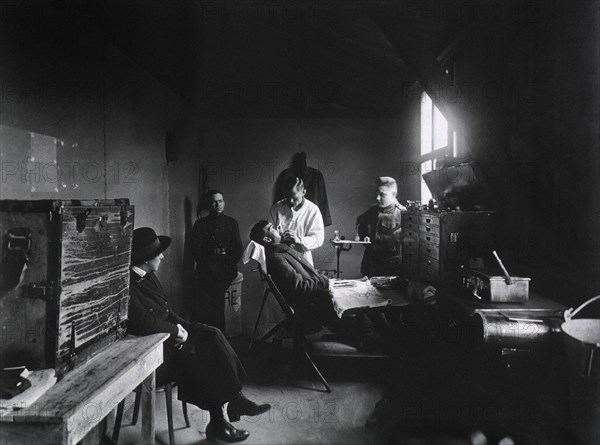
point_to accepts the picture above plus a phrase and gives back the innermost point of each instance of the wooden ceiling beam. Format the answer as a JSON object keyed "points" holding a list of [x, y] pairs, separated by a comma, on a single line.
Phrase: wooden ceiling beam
{"points": [[419, 56], [474, 130], [458, 42], [378, 53]]}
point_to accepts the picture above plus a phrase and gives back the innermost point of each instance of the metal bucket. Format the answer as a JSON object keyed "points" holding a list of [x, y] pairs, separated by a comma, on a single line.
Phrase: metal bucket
{"points": [[582, 345]]}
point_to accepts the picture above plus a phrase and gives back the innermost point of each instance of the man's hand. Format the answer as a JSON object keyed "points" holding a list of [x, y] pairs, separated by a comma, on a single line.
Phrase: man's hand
{"points": [[290, 236], [182, 336]]}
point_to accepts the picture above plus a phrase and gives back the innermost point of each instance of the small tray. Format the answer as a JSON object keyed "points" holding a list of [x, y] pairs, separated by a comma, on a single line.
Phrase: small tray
{"points": [[346, 241]]}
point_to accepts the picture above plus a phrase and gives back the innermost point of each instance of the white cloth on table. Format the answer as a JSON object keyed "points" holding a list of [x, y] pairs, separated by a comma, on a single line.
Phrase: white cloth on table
{"points": [[353, 294], [256, 252]]}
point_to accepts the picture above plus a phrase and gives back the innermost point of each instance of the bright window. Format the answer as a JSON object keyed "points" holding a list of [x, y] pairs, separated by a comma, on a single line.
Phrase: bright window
{"points": [[437, 140]]}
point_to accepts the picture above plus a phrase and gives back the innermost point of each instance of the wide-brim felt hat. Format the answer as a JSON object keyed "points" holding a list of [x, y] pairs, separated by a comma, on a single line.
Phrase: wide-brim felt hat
{"points": [[147, 245]]}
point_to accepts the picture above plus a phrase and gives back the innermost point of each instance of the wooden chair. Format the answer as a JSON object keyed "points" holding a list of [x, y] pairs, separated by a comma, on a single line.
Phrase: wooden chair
{"points": [[291, 323], [168, 388]]}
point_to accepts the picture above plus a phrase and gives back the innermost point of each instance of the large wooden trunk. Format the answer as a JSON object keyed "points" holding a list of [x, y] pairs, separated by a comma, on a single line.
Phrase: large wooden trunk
{"points": [[64, 279]]}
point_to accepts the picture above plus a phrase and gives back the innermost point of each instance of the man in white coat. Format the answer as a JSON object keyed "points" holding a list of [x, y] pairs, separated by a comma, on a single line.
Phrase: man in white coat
{"points": [[298, 220]]}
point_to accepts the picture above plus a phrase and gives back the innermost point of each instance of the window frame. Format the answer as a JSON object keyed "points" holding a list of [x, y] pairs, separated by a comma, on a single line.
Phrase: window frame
{"points": [[434, 154]]}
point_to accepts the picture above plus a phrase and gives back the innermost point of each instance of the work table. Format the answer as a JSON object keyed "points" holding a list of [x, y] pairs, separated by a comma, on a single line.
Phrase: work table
{"points": [[71, 409]]}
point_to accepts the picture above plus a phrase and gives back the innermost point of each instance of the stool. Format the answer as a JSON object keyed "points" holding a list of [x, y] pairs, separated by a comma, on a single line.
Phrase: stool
{"points": [[168, 388]]}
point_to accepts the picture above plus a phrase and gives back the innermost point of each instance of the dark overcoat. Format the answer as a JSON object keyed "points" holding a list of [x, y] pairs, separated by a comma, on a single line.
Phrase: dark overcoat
{"points": [[207, 370]]}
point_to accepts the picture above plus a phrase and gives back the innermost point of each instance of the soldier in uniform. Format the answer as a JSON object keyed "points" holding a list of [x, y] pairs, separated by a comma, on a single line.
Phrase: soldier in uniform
{"points": [[381, 223], [217, 248]]}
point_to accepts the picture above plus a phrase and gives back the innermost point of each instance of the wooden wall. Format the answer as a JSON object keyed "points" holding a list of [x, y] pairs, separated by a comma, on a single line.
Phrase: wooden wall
{"points": [[62, 78]]}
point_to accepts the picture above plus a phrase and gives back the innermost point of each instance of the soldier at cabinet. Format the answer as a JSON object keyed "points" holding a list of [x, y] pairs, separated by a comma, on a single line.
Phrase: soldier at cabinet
{"points": [[217, 248], [196, 356], [381, 223]]}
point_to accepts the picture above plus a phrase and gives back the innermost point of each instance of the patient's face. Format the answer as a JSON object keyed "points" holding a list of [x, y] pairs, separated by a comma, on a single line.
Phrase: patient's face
{"points": [[272, 232], [385, 196]]}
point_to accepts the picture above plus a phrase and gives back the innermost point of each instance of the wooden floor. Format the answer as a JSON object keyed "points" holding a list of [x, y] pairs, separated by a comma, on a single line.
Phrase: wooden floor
{"points": [[299, 415], [442, 395], [431, 400], [302, 412]]}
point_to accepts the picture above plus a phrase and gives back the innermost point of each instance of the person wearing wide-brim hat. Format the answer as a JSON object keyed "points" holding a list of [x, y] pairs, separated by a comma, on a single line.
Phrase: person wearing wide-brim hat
{"points": [[197, 356]]}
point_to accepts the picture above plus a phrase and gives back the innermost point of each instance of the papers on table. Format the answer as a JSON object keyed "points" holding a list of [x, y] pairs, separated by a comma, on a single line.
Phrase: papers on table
{"points": [[356, 294], [343, 283]]}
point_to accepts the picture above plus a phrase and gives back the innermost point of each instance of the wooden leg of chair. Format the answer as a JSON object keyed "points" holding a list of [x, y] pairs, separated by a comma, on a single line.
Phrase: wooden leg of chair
{"points": [[136, 406], [185, 414], [308, 357], [262, 306], [118, 420], [169, 401], [283, 324]]}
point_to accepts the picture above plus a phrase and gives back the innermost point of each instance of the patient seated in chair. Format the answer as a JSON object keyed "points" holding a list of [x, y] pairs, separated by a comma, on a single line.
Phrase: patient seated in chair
{"points": [[305, 289]]}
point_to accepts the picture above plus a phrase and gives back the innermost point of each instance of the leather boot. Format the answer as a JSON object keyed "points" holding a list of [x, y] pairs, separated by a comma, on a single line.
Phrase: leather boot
{"points": [[225, 431], [241, 406]]}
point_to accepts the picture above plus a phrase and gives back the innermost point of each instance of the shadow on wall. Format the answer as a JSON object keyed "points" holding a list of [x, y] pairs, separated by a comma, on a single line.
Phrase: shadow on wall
{"points": [[188, 266]]}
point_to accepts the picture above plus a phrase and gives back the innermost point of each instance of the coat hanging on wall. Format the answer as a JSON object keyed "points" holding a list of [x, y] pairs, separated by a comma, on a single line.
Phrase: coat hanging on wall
{"points": [[313, 183]]}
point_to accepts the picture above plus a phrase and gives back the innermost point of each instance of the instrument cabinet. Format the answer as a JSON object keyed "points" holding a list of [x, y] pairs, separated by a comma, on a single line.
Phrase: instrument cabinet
{"points": [[437, 244]]}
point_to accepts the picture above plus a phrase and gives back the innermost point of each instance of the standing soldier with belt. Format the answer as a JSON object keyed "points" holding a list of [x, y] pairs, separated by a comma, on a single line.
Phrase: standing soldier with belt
{"points": [[217, 248]]}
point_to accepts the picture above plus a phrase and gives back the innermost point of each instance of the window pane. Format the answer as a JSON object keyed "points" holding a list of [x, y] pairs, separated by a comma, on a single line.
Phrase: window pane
{"points": [[440, 129], [425, 193], [454, 144], [426, 124]]}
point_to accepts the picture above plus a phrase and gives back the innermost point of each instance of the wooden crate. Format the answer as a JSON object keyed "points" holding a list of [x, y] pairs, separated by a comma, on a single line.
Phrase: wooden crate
{"points": [[64, 279]]}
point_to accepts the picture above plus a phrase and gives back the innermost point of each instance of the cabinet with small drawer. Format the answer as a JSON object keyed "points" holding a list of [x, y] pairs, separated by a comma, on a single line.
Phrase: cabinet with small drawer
{"points": [[436, 244]]}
